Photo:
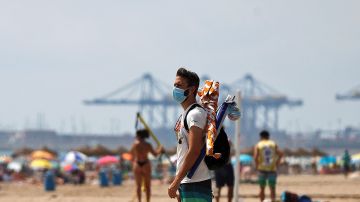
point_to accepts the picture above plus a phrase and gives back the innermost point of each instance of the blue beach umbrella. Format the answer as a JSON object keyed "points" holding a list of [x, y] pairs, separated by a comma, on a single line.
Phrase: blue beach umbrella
{"points": [[243, 158], [326, 160]]}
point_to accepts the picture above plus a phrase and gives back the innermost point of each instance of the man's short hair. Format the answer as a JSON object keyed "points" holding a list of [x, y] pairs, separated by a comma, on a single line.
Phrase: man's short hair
{"points": [[264, 134], [191, 78]]}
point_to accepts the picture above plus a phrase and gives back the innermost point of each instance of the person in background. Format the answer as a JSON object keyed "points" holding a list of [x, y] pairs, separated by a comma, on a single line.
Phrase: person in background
{"points": [[346, 163], [267, 157], [141, 164], [225, 176]]}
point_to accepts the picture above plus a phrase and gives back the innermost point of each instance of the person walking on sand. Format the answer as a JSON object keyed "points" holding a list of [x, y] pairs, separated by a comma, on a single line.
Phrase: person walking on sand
{"points": [[346, 163], [141, 164], [267, 157], [190, 142], [225, 176]]}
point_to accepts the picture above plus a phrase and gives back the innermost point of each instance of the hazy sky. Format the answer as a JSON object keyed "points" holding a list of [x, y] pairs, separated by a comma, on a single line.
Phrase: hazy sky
{"points": [[54, 54]]}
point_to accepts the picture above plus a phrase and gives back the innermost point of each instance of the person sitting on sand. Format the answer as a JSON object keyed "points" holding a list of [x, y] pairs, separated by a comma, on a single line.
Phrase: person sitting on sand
{"points": [[141, 164]]}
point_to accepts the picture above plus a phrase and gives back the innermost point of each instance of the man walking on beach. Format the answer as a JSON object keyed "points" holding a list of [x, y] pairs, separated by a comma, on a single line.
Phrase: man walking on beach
{"points": [[225, 176], [190, 142], [267, 157]]}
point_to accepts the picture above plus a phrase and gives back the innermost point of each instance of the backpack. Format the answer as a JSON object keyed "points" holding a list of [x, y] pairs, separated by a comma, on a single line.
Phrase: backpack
{"points": [[221, 145]]}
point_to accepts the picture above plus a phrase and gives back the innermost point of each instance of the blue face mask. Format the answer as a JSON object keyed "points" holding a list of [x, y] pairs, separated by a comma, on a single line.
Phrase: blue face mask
{"points": [[179, 95]]}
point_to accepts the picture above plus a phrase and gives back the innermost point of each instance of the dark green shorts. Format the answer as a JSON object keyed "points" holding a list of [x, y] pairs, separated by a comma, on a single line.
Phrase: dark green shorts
{"points": [[196, 192], [266, 177]]}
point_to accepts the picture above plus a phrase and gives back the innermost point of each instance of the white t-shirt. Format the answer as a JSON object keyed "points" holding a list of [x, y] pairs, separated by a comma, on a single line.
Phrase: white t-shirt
{"points": [[196, 117]]}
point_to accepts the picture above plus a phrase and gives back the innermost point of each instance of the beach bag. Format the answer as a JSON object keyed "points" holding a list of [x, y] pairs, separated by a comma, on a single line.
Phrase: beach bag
{"points": [[221, 145]]}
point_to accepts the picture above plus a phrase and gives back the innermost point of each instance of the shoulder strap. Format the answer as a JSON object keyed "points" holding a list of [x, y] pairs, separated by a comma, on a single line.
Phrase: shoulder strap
{"points": [[203, 150], [185, 119]]}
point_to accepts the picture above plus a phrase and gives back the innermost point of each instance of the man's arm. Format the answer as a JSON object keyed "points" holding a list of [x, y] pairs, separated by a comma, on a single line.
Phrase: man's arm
{"points": [[196, 142], [256, 156]]}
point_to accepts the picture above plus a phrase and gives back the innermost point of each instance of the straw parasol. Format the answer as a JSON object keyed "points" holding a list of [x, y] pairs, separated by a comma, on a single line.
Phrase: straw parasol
{"points": [[51, 151], [87, 150], [317, 152], [302, 152], [99, 150], [288, 152], [120, 150], [22, 152]]}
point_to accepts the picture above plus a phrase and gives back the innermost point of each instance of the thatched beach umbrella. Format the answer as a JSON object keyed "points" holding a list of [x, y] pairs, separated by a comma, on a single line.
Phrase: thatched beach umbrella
{"points": [[302, 152], [85, 150], [24, 151], [51, 151], [317, 152], [120, 150], [101, 150], [98, 150], [288, 152]]}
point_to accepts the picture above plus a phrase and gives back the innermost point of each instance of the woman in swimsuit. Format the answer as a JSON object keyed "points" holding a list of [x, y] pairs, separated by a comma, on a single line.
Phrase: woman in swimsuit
{"points": [[141, 164]]}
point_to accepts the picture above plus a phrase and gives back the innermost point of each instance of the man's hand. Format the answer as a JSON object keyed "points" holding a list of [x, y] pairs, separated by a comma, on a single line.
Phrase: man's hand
{"points": [[173, 188]]}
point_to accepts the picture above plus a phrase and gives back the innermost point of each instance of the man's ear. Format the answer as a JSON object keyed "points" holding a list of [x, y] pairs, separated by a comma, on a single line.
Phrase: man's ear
{"points": [[189, 91], [195, 92]]}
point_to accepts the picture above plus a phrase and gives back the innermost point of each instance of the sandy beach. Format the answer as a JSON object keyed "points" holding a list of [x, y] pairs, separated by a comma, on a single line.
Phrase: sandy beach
{"points": [[333, 188]]}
